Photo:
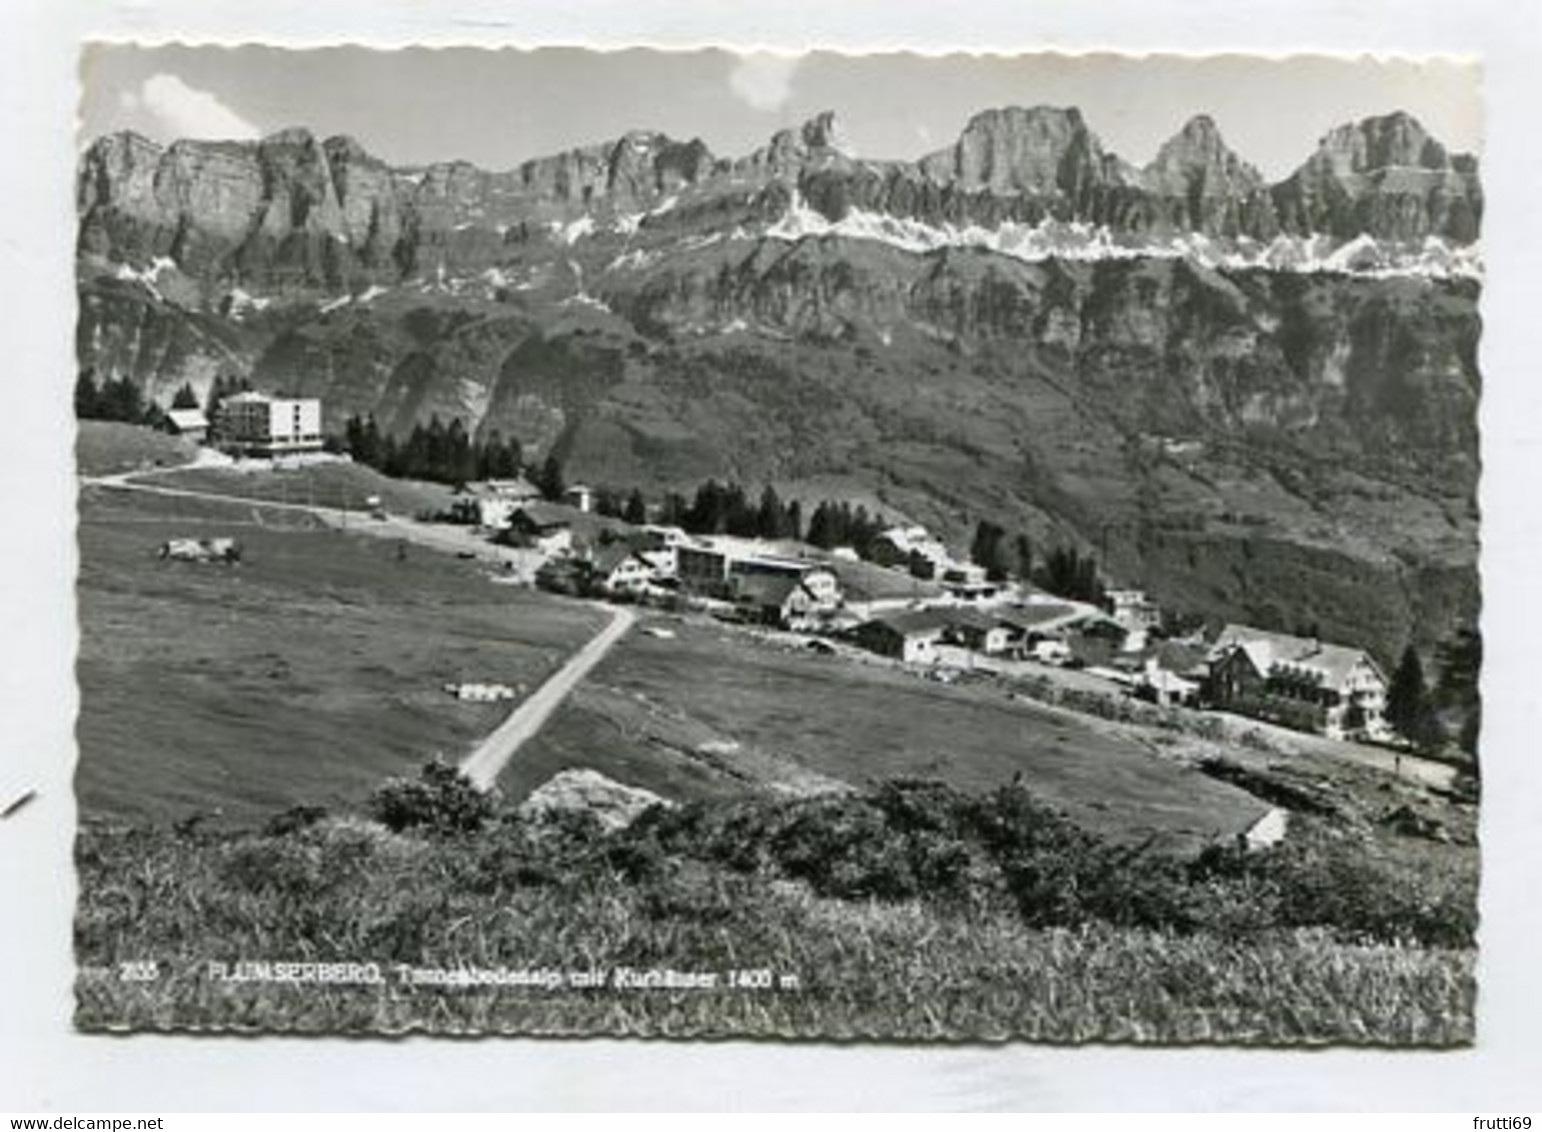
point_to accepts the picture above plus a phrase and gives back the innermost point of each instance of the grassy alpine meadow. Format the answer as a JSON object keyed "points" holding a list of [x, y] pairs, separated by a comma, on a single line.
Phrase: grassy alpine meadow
{"points": [[109, 447], [712, 707], [306, 673], [909, 911]]}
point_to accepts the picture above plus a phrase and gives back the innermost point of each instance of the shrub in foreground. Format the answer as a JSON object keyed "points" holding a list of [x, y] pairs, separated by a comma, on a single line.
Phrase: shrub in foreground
{"points": [[441, 800]]}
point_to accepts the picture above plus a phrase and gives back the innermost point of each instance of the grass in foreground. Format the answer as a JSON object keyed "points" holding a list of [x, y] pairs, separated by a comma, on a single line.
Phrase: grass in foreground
{"points": [[913, 911]]}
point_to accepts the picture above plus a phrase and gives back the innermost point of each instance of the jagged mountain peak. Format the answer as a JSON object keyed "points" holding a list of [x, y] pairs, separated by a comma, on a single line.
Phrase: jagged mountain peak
{"points": [[1393, 140], [1383, 174], [1043, 117], [1199, 135], [299, 137], [823, 131], [1197, 161], [1038, 150], [817, 143], [349, 148]]}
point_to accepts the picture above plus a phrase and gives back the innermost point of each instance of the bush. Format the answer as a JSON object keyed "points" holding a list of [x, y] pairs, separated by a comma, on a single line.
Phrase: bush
{"points": [[1317, 879], [1060, 875], [441, 800], [293, 820]]}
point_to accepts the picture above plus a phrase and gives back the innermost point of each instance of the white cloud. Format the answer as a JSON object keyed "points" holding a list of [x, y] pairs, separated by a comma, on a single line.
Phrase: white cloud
{"points": [[182, 111], [764, 80]]}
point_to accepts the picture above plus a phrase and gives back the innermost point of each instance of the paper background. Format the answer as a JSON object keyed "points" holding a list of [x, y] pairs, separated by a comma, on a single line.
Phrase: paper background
{"points": [[44, 1065]]}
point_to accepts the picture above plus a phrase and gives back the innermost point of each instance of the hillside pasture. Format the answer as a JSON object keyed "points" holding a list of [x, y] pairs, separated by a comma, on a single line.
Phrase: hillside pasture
{"points": [[104, 448], [304, 675], [714, 710], [340, 484]]}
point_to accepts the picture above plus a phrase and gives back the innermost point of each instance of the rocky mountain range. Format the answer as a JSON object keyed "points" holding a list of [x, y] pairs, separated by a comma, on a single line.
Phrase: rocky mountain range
{"points": [[294, 210], [1258, 400]]}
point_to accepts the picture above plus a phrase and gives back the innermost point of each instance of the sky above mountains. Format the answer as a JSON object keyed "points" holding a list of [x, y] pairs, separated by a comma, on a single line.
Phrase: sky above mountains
{"points": [[498, 108]]}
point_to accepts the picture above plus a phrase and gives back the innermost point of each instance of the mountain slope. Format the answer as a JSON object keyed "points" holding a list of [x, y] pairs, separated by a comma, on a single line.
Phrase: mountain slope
{"points": [[1258, 400]]}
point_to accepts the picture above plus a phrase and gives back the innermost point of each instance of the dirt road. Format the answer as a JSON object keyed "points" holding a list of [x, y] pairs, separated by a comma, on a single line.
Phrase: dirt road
{"points": [[450, 539], [485, 763]]}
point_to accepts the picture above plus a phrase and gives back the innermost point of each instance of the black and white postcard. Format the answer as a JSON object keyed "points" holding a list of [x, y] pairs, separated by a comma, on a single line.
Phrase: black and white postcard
{"points": [[699, 544]]}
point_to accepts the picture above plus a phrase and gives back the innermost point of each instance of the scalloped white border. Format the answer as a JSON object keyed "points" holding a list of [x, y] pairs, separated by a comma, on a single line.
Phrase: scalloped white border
{"points": [[46, 1066]]}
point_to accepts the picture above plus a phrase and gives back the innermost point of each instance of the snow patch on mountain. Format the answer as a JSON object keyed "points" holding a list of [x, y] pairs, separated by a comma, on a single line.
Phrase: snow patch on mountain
{"points": [[573, 231], [242, 301], [147, 276], [1072, 240]]}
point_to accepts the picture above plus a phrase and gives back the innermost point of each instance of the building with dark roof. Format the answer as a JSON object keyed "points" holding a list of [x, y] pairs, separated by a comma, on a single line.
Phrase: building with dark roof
{"points": [[1301, 682]]}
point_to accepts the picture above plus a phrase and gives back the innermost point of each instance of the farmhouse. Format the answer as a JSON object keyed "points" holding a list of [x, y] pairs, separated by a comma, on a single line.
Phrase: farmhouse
{"points": [[1135, 613], [190, 423], [1174, 672], [579, 496], [494, 511], [983, 634], [542, 528], [775, 600], [1161, 685], [655, 536], [912, 548], [518, 489], [618, 569], [659, 547], [1300, 682], [1042, 621], [911, 636], [256, 424]]}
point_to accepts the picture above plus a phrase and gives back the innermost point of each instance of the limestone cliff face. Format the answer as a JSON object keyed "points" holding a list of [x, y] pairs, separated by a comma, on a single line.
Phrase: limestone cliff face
{"points": [[1198, 184], [1043, 151], [1383, 177], [290, 211]]}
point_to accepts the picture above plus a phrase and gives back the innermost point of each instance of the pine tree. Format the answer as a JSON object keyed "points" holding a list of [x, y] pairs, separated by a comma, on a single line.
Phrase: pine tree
{"points": [[988, 550], [739, 518], [1409, 710], [121, 400], [185, 398], [1461, 664], [369, 439], [861, 530], [770, 518], [460, 459], [1067, 574], [414, 459], [674, 510], [636, 511], [353, 436], [608, 502], [821, 532], [1023, 552], [549, 479], [436, 454], [87, 397]]}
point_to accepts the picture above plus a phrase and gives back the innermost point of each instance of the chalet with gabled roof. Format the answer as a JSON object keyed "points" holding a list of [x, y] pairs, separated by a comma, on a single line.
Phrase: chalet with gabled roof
{"points": [[1300, 682]]}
